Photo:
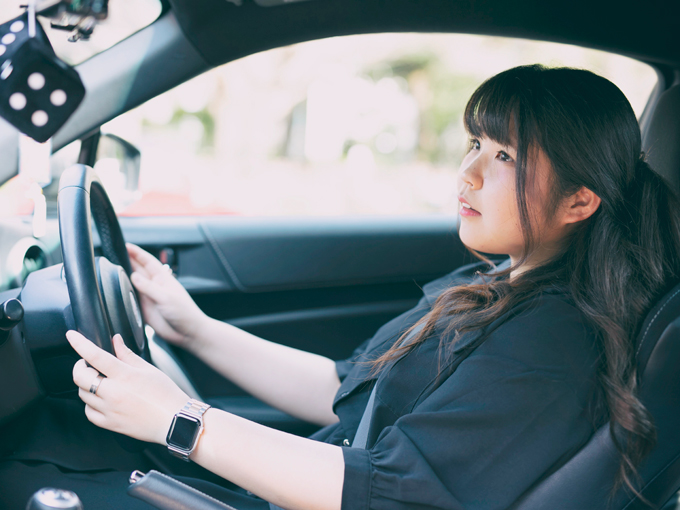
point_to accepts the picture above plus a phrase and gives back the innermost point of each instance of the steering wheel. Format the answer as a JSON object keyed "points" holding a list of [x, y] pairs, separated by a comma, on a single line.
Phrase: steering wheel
{"points": [[103, 300]]}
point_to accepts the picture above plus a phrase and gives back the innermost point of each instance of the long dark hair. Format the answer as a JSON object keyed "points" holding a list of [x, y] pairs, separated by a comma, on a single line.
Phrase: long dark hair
{"points": [[614, 265]]}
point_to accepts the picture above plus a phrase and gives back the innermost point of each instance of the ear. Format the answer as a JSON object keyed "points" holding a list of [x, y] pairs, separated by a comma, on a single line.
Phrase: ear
{"points": [[580, 206]]}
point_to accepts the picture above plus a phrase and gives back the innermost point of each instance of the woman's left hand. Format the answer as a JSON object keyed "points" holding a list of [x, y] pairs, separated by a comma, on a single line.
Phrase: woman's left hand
{"points": [[135, 398]]}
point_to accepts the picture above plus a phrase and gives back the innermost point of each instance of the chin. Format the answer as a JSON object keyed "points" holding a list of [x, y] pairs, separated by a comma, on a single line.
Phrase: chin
{"points": [[472, 242]]}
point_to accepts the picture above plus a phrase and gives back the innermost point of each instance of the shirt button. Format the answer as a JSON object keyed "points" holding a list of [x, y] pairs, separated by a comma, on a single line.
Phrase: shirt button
{"points": [[345, 442]]}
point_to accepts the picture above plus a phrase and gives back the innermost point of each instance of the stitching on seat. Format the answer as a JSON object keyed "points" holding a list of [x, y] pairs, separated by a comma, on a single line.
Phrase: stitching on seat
{"points": [[192, 489], [670, 464], [644, 337]]}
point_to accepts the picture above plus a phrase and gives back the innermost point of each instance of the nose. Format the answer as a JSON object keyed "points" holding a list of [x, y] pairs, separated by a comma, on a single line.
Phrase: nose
{"points": [[470, 175]]}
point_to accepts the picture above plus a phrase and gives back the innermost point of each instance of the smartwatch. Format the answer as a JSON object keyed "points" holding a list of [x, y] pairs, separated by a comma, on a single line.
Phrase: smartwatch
{"points": [[186, 428]]}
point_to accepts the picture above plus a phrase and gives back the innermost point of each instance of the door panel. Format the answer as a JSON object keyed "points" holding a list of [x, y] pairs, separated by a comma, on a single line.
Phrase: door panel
{"points": [[321, 285], [279, 254]]}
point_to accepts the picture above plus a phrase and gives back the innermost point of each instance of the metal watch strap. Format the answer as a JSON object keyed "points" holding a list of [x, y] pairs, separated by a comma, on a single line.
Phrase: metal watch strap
{"points": [[195, 409]]}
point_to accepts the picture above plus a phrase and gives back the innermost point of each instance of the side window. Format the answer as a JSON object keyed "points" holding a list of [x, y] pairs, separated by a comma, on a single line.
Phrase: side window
{"points": [[368, 124]]}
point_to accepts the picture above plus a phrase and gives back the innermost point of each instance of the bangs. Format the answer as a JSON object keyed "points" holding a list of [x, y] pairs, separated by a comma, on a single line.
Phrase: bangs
{"points": [[494, 111]]}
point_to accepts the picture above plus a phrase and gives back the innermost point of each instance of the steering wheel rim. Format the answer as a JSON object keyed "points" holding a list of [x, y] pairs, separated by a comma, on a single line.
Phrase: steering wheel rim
{"points": [[82, 197]]}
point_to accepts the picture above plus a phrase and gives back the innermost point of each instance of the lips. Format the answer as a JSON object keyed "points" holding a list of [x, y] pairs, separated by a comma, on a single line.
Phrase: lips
{"points": [[466, 209]]}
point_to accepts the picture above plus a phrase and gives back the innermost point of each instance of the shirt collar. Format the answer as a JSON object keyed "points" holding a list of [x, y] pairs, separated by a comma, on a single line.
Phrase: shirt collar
{"points": [[466, 275]]}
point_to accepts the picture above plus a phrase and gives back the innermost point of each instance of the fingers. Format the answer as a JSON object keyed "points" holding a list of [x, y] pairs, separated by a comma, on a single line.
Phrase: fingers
{"points": [[125, 354], [83, 375], [147, 287], [146, 267], [94, 401], [141, 259], [95, 416], [133, 253], [101, 360]]}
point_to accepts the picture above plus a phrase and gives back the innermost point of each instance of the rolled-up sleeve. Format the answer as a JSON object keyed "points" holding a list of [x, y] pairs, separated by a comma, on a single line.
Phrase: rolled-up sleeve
{"points": [[483, 437]]}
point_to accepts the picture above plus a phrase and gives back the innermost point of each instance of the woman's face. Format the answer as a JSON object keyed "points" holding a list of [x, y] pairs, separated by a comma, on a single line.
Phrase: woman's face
{"points": [[490, 221]]}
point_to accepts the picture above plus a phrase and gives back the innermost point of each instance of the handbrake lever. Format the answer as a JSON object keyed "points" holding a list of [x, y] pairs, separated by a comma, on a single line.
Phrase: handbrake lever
{"points": [[166, 493]]}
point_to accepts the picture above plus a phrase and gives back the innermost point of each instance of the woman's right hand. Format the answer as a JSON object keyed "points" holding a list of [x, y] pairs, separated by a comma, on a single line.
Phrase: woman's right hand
{"points": [[167, 306]]}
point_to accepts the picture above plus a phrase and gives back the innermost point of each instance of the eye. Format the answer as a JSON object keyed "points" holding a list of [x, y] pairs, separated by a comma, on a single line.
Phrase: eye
{"points": [[473, 144], [504, 156]]}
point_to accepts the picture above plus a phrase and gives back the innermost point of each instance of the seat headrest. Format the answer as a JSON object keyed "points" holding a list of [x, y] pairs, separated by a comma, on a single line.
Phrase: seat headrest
{"points": [[661, 141]]}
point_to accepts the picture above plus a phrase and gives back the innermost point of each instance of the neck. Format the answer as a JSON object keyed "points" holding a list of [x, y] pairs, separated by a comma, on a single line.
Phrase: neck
{"points": [[518, 271], [540, 256]]}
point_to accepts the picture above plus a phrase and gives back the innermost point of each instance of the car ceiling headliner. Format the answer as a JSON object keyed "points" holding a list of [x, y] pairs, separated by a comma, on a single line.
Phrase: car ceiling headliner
{"points": [[222, 30]]}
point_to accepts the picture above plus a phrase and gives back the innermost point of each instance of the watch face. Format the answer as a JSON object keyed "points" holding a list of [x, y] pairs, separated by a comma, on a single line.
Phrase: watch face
{"points": [[183, 432]]}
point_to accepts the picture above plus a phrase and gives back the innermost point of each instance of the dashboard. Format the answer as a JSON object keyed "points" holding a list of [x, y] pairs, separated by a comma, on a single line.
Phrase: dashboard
{"points": [[20, 255]]}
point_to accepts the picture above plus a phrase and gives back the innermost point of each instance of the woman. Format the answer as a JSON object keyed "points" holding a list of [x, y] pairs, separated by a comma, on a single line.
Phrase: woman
{"points": [[497, 377]]}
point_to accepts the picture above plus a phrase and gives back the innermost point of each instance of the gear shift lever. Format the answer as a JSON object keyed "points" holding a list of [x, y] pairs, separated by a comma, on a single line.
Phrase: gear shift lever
{"points": [[52, 499]]}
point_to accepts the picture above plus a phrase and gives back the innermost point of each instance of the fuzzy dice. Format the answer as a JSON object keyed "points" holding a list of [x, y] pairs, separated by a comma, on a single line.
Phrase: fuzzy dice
{"points": [[38, 92]]}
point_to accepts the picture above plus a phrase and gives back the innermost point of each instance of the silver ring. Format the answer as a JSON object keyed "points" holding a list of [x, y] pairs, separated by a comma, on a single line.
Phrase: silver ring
{"points": [[95, 384]]}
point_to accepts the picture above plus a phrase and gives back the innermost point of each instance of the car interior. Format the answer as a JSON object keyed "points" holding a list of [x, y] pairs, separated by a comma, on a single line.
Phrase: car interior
{"points": [[322, 284]]}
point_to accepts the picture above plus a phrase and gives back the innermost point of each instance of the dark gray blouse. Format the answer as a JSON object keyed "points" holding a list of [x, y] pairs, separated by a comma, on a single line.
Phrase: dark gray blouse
{"points": [[512, 404]]}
